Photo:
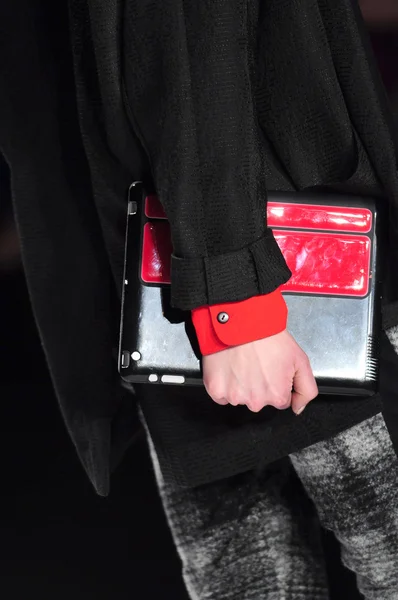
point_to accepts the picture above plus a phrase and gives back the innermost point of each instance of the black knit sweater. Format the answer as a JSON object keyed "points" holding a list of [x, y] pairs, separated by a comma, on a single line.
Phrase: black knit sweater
{"points": [[212, 103]]}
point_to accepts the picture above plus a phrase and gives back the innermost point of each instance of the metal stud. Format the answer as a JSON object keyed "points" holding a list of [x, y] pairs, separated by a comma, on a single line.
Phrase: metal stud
{"points": [[222, 317]]}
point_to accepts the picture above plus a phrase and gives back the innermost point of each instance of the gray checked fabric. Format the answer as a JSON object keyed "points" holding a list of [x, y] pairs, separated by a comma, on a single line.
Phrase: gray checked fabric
{"points": [[353, 480], [243, 542]]}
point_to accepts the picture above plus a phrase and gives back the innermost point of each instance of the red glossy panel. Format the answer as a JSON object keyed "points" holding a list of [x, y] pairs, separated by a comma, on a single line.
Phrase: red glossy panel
{"points": [[321, 263], [156, 253], [326, 218], [153, 208]]}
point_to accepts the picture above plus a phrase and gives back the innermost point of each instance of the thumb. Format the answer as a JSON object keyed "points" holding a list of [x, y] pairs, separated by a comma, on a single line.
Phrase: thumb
{"points": [[305, 388]]}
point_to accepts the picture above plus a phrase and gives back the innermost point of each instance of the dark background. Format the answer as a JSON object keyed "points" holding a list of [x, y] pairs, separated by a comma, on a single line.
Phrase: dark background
{"points": [[58, 540]]}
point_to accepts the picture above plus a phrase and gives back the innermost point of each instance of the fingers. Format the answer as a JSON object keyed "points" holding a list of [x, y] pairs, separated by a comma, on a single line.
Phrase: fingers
{"points": [[305, 388], [234, 394], [224, 393], [261, 374], [216, 391], [221, 401], [266, 397]]}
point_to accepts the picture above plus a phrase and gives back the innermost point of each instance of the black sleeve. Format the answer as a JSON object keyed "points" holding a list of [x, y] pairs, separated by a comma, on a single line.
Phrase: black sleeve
{"points": [[189, 77]]}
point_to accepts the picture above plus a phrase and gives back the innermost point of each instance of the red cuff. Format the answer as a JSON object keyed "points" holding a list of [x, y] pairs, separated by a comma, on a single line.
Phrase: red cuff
{"points": [[234, 323]]}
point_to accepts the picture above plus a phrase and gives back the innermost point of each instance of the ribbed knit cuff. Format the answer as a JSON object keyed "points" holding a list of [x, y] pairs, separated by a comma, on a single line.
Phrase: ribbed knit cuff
{"points": [[254, 270]]}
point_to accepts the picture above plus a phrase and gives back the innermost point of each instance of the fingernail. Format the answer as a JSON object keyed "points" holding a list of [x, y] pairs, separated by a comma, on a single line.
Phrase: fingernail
{"points": [[300, 410]]}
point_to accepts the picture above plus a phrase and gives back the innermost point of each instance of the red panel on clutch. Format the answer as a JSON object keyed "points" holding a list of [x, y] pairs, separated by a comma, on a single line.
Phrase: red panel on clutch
{"points": [[325, 218], [153, 208], [321, 263], [327, 264], [156, 253]]}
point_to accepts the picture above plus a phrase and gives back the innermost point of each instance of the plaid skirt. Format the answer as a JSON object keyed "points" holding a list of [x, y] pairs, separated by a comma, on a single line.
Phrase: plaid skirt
{"points": [[263, 542]]}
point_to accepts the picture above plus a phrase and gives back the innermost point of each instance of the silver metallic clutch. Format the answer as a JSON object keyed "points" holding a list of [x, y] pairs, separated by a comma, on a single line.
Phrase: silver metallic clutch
{"points": [[330, 243]]}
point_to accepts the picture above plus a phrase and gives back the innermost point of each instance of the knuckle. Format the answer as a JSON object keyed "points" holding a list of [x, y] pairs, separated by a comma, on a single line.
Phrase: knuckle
{"points": [[306, 361], [215, 390], [235, 398], [254, 404], [283, 403], [281, 400]]}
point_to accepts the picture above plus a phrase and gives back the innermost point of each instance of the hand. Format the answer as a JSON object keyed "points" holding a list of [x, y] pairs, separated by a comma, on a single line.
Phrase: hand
{"points": [[261, 373]]}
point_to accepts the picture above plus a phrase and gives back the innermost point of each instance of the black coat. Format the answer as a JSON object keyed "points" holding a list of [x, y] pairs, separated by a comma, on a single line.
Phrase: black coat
{"points": [[212, 103]]}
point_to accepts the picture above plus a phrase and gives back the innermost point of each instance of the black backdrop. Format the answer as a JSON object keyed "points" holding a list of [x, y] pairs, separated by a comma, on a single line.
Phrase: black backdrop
{"points": [[58, 540]]}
